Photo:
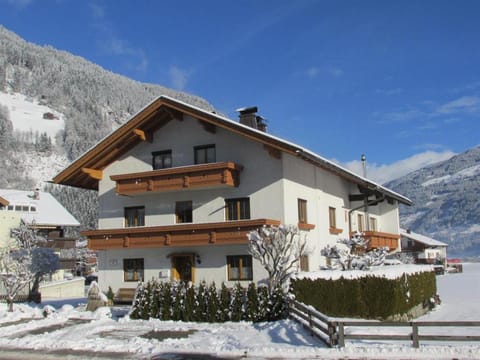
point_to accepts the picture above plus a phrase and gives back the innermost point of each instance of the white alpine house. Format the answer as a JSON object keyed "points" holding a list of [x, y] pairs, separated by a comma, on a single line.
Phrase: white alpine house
{"points": [[179, 188]]}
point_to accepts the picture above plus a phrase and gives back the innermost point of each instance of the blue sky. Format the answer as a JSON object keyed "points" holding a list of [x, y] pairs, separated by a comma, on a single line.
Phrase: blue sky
{"points": [[396, 80]]}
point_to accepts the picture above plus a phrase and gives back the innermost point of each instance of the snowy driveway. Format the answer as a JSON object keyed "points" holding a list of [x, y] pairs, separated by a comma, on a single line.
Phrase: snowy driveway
{"points": [[75, 334]]}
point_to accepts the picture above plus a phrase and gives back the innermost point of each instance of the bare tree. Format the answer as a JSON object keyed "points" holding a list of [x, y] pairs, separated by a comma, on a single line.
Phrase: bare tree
{"points": [[16, 270], [279, 249]]}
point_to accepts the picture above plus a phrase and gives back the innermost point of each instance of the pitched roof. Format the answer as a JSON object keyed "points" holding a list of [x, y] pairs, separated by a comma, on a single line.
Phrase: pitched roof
{"points": [[47, 210], [85, 172], [421, 238]]}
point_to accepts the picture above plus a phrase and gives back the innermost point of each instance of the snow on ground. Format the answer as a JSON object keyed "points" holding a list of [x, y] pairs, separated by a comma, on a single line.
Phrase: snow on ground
{"points": [[27, 114], [105, 331]]}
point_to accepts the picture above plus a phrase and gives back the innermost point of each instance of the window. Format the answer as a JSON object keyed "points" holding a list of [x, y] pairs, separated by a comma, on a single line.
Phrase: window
{"points": [[204, 154], [373, 224], [302, 211], [304, 263], [360, 224], [240, 267], [134, 216], [183, 212], [133, 269], [332, 217], [237, 209], [162, 159]]}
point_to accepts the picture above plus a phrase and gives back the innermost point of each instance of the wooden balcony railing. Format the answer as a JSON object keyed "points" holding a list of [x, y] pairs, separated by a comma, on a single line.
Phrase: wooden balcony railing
{"points": [[178, 178], [381, 239], [219, 233]]}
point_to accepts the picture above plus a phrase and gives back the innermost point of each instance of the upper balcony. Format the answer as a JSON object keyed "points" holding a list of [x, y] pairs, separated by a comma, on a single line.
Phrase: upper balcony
{"points": [[191, 234], [220, 174], [380, 239]]}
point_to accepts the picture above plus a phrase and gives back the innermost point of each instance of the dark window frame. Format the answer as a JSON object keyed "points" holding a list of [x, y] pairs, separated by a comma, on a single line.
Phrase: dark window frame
{"points": [[183, 212], [237, 209], [133, 269], [164, 154], [332, 217], [201, 154], [302, 211], [245, 267], [138, 216]]}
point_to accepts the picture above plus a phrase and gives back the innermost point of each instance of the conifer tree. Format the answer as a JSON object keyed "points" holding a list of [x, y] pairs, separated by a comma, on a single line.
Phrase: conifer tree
{"points": [[189, 305], [146, 299], [155, 300], [177, 301], [278, 304], [201, 303], [137, 305], [263, 303], [252, 304], [166, 297], [236, 307], [225, 299], [213, 304]]}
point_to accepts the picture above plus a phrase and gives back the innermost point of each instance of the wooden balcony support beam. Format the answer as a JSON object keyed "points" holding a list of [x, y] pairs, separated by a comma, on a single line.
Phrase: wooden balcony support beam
{"points": [[93, 173]]}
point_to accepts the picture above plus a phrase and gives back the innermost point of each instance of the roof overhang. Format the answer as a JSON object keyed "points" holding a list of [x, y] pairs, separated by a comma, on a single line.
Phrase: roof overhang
{"points": [[3, 202]]}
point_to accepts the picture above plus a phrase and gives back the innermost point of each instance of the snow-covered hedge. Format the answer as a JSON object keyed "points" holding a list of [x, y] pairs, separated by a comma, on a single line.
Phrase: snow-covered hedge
{"points": [[367, 295], [178, 301]]}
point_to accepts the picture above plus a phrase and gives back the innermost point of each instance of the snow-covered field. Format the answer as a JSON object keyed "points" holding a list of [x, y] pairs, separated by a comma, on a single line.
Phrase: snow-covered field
{"points": [[26, 115], [70, 329]]}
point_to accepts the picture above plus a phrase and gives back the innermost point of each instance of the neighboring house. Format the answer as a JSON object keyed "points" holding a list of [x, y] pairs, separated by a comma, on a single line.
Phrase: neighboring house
{"points": [[180, 187], [425, 250], [41, 211]]}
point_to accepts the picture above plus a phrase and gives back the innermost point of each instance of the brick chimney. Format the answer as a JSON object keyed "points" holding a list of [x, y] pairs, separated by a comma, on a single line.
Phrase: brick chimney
{"points": [[248, 116]]}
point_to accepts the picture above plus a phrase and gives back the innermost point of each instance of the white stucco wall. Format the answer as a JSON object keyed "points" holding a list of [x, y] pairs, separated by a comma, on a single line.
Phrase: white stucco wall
{"points": [[272, 185]]}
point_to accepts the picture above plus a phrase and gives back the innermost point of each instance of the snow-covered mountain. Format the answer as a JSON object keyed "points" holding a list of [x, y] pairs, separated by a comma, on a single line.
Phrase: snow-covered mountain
{"points": [[447, 202], [53, 107]]}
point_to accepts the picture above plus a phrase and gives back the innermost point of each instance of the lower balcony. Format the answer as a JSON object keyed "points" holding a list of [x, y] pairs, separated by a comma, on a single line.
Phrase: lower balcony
{"points": [[381, 239], [203, 234]]}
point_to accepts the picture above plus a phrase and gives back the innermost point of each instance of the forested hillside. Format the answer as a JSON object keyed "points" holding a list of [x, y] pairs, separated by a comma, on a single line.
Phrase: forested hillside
{"points": [[93, 102]]}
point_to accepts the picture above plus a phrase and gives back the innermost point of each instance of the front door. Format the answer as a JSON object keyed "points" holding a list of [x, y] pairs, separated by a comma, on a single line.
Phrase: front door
{"points": [[182, 267]]}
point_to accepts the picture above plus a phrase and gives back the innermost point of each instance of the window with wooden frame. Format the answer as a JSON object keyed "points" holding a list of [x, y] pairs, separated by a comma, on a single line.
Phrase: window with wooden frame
{"points": [[373, 224], [302, 211], [134, 216], [304, 263], [133, 269], [237, 209], [360, 223], [239, 267], [162, 159], [204, 154], [332, 217], [183, 212]]}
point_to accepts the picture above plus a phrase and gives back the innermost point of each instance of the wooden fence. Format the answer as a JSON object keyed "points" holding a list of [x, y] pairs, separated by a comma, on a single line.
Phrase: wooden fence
{"points": [[332, 331]]}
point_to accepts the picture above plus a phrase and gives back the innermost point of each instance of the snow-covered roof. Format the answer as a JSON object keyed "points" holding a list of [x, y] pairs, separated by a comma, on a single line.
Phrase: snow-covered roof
{"points": [[74, 174], [421, 238], [43, 210]]}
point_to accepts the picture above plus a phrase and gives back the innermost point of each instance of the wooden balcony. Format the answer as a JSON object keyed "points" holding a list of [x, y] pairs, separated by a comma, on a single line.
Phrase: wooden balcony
{"points": [[203, 234], [380, 239], [224, 174]]}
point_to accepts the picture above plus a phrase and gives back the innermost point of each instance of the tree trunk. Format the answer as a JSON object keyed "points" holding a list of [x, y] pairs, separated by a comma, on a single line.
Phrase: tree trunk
{"points": [[34, 294]]}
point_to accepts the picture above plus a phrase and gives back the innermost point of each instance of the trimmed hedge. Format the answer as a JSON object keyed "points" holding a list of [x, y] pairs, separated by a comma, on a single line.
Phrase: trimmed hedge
{"points": [[368, 297], [177, 301]]}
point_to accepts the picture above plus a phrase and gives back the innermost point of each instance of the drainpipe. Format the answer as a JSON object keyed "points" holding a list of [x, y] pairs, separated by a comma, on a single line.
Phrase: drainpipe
{"points": [[363, 158]]}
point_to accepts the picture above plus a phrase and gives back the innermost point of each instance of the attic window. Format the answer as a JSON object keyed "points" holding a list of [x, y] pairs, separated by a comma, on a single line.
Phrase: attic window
{"points": [[162, 159], [204, 154]]}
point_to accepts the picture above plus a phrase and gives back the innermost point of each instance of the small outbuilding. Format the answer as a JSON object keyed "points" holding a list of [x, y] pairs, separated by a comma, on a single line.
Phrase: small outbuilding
{"points": [[424, 249]]}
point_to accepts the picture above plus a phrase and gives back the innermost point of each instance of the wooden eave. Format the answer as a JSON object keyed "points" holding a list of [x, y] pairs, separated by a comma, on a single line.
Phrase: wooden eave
{"points": [[203, 234], [4, 202]]}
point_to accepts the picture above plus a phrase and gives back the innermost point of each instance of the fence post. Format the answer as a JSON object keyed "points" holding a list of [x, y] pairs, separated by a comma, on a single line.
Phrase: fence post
{"points": [[416, 343], [332, 333], [341, 334], [310, 322]]}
